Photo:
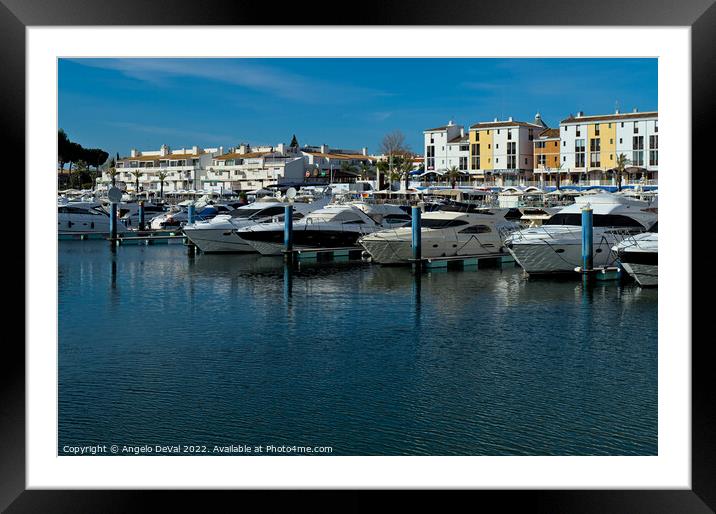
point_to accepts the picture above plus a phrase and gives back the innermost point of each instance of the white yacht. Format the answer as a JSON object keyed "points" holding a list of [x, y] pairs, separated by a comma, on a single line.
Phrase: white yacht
{"points": [[556, 246], [639, 256], [443, 234], [84, 218], [219, 235], [333, 226]]}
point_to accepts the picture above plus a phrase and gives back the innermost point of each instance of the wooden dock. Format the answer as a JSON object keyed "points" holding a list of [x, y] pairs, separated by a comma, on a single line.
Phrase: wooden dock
{"points": [[351, 253], [465, 262], [150, 237]]}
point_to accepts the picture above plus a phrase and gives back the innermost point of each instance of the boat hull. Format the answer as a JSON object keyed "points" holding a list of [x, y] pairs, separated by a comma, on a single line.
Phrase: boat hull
{"points": [[219, 240], [400, 251]]}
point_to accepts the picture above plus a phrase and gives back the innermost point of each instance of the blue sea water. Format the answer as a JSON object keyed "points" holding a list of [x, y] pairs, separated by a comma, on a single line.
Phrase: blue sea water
{"points": [[160, 348]]}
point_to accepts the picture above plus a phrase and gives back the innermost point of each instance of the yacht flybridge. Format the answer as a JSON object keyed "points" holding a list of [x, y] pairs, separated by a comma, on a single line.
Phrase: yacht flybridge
{"points": [[443, 234], [219, 235], [555, 247]]}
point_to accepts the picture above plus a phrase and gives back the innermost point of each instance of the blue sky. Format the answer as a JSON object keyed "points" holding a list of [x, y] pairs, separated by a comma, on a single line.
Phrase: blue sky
{"points": [[118, 104]]}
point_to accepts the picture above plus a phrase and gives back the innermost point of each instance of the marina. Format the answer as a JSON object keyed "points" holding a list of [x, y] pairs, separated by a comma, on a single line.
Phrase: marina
{"points": [[229, 281]]}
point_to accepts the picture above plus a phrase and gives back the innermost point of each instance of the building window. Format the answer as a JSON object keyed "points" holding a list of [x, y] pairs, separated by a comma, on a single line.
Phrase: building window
{"points": [[464, 148], [541, 160], [488, 132], [594, 152], [432, 139], [611, 141], [637, 158], [430, 157], [530, 133], [622, 124], [653, 157], [539, 144], [477, 135], [463, 163], [636, 128], [620, 140], [579, 153], [511, 157], [609, 125], [638, 143], [596, 129], [475, 156], [653, 142], [509, 134], [656, 126], [579, 132]]}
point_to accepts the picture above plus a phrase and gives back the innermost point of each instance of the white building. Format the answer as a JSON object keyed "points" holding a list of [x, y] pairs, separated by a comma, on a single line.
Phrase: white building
{"points": [[592, 144], [247, 168], [325, 164], [182, 169], [445, 147]]}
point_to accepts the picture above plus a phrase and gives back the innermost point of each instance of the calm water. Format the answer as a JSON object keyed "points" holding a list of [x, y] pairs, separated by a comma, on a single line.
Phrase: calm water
{"points": [[232, 350]]}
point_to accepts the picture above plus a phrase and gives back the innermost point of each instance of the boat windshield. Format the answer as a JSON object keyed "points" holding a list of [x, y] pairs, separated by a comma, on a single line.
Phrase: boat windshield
{"points": [[257, 213], [600, 220], [654, 227], [440, 223]]}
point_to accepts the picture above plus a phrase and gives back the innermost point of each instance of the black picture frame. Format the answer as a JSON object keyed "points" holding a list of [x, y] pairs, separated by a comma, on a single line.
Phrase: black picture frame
{"points": [[700, 15]]}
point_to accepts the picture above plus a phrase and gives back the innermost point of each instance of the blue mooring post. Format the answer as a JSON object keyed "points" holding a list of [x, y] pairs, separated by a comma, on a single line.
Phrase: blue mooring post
{"points": [[141, 215], [288, 230], [587, 239], [190, 214], [113, 222], [416, 241]]}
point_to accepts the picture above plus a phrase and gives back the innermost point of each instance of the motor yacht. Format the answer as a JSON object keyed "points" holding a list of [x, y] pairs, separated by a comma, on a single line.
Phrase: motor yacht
{"points": [[556, 246], [219, 235], [84, 218], [639, 256], [333, 226], [446, 233]]}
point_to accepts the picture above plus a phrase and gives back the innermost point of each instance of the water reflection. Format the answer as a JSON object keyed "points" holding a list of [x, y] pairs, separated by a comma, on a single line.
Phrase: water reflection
{"points": [[369, 359]]}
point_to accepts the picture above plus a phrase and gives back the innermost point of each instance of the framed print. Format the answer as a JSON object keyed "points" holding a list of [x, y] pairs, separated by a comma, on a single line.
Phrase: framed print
{"points": [[418, 251]]}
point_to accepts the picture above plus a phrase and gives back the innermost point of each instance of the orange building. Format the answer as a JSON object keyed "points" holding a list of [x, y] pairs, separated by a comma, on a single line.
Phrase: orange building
{"points": [[546, 153]]}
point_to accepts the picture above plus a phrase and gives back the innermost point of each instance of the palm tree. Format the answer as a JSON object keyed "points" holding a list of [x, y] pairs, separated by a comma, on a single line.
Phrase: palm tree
{"points": [[161, 176], [365, 169], [404, 168], [136, 174], [112, 172], [453, 174], [619, 168], [382, 167], [348, 168]]}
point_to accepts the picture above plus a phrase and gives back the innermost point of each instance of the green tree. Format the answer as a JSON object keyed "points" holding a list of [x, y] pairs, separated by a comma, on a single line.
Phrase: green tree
{"points": [[393, 144], [453, 174], [112, 172], [365, 170], [381, 168], [619, 168], [136, 174], [348, 168], [162, 175]]}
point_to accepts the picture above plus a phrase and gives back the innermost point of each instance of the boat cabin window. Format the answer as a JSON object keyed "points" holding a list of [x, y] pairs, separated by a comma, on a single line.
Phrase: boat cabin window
{"points": [[600, 220], [354, 222], [397, 217], [654, 227], [476, 229], [437, 223], [93, 211]]}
